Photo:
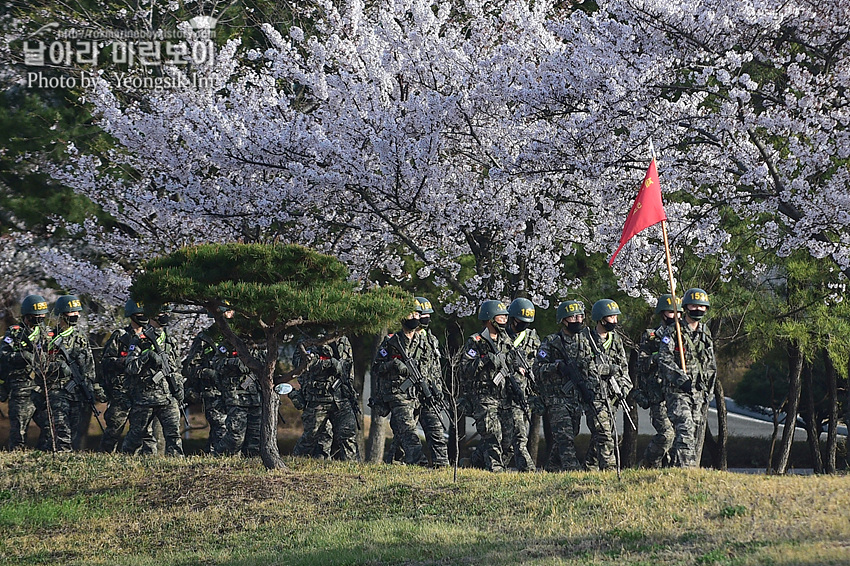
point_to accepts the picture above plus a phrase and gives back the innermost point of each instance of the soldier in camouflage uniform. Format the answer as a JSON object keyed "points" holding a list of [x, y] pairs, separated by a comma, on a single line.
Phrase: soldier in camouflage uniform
{"points": [[649, 393], [397, 393], [603, 373], [429, 413], [114, 376], [24, 355], [557, 373], [327, 394], [485, 362], [515, 411], [69, 353], [687, 393], [243, 403], [156, 386], [201, 379]]}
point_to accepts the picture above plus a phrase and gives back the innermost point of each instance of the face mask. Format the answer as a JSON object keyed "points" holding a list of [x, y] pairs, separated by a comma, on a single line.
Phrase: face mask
{"points": [[410, 323], [668, 320], [695, 314], [139, 319], [609, 326], [424, 321], [499, 326], [72, 320], [574, 327], [162, 319], [521, 325]]}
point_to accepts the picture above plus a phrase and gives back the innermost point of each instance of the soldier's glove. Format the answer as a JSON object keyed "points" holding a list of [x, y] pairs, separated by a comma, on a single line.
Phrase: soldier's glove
{"points": [[400, 367], [686, 387], [587, 394], [536, 404], [297, 398], [207, 374], [99, 394], [332, 364], [640, 398], [179, 396], [464, 406], [563, 368]]}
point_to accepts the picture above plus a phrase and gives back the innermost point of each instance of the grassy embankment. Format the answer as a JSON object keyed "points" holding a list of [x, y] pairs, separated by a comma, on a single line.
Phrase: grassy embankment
{"points": [[100, 509]]}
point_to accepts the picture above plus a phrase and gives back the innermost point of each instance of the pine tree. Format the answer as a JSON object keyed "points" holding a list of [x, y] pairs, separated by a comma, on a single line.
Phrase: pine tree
{"points": [[276, 288]]}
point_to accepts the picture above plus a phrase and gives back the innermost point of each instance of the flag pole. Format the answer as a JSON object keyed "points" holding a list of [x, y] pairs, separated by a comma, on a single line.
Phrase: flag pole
{"points": [[672, 282]]}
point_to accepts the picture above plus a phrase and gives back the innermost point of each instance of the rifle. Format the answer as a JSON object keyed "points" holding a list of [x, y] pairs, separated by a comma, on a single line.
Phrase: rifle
{"points": [[77, 380], [501, 366], [619, 397], [163, 361], [341, 381], [415, 378]]}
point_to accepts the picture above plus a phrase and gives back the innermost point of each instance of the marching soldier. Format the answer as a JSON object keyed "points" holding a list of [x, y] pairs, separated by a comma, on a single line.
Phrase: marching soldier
{"points": [[70, 381], [515, 411], [156, 386], [429, 411], [649, 394], [24, 359], [603, 381], [485, 365], [114, 375], [201, 378], [687, 392], [327, 394], [399, 358], [243, 403], [557, 371]]}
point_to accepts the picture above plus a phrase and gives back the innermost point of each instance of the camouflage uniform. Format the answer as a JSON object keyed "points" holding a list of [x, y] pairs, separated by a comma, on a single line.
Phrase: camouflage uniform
{"points": [[322, 441], [687, 396], [557, 371], [67, 401], [156, 386], [201, 382], [397, 392], [242, 399], [599, 363], [114, 382], [429, 416], [327, 394], [649, 394], [485, 387], [515, 422], [17, 353]]}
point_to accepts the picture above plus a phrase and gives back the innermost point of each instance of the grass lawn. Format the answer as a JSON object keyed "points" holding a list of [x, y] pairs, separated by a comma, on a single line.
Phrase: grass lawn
{"points": [[112, 509]]}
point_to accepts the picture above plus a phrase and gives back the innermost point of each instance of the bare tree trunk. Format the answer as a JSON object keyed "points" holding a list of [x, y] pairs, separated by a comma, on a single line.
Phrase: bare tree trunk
{"points": [[795, 368], [810, 416], [269, 450], [377, 439], [832, 427], [721, 460], [364, 348]]}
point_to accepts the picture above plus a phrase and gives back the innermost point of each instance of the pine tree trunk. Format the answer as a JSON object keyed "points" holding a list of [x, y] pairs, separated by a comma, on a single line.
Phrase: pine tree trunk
{"points": [[812, 426], [795, 365], [832, 425], [269, 450], [377, 439]]}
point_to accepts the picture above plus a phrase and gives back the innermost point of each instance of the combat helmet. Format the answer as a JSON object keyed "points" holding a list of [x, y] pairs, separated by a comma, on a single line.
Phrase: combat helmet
{"points": [[491, 309], [132, 307], [521, 309], [665, 303], [34, 305], [66, 304], [696, 296], [603, 308], [569, 308], [423, 305]]}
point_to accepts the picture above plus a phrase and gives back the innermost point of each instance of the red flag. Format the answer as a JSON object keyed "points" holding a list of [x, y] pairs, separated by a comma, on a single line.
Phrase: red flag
{"points": [[646, 211]]}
